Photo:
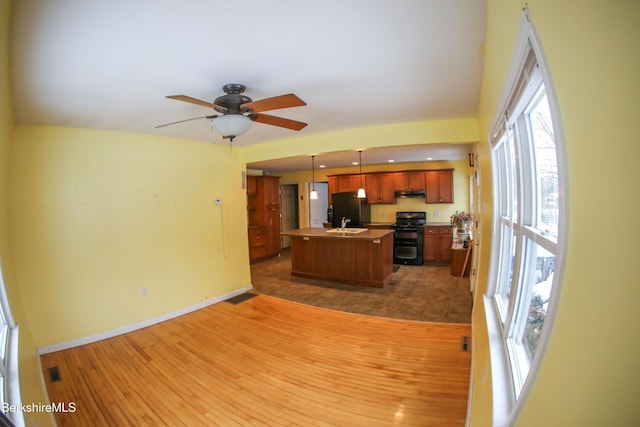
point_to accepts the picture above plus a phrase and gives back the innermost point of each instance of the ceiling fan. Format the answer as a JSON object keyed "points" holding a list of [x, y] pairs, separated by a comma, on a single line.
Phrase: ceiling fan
{"points": [[238, 111]]}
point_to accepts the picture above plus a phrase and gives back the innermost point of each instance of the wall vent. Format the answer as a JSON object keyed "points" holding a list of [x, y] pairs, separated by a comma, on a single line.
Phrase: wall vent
{"points": [[465, 344], [54, 374]]}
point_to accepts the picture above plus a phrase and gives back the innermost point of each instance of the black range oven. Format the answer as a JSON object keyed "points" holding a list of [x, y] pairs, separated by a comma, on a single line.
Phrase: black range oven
{"points": [[408, 237]]}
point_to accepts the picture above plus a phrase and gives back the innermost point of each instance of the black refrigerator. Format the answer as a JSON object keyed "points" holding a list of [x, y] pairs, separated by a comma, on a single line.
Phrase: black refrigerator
{"points": [[347, 205]]}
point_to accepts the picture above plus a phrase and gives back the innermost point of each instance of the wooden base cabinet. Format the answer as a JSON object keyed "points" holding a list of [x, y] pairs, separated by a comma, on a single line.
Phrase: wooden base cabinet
{"points": [[263, 205], [437, 244], [257, 242]]}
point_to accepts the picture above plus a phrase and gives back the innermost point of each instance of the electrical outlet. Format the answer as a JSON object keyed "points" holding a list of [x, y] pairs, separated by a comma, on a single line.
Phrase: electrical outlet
{"points": [[436, 214], [143, 292], [218, 202]]}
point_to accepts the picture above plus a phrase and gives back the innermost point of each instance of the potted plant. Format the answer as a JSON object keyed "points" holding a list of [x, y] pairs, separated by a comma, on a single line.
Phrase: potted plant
{"points": [[461, 220]]}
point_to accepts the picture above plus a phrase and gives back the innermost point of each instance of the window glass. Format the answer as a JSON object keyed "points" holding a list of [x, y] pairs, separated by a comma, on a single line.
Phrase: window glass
{"points": [[505, 280], [546, 166], [513, 178]]}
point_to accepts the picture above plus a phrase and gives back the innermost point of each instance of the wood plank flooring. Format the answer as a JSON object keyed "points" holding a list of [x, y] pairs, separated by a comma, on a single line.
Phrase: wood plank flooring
{"points": [[270, 362]]}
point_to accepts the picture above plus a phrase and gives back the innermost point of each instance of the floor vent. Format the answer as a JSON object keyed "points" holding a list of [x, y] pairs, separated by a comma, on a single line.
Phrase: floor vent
{"points": [[54, 374], [465, 344]]}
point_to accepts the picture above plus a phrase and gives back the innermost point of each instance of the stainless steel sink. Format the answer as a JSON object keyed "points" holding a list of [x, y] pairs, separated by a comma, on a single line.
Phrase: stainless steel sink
{"points": [[347, 230]]}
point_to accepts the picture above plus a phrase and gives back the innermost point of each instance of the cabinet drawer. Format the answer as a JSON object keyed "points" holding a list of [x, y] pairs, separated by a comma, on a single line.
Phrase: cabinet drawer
{"points": [[257, 237], [438, 230], [257, 252]]}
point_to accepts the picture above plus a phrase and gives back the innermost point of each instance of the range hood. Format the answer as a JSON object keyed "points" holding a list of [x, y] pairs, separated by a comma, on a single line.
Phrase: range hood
{"points": [[408, 194]]}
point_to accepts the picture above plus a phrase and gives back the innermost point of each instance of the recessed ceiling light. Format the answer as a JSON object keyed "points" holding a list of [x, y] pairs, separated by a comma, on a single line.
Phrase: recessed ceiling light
{"points": [[322, 166], [391, 160], [354, 163], [429, 158]]}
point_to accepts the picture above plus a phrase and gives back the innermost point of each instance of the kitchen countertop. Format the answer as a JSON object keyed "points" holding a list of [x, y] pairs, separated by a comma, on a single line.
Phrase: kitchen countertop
{"points": [[322, 233]]}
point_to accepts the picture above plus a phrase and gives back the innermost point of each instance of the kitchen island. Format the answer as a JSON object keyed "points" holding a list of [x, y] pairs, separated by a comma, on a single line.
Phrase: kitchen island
{"points": [[354, 256]]}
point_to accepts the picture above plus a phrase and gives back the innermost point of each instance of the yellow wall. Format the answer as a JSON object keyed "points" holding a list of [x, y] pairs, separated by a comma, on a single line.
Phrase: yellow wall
{"points": [[97, 216], [31, 385], [588, 376]]}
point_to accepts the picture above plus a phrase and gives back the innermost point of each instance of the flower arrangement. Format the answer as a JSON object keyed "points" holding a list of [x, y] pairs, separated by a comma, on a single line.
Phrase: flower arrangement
{"points": [[461, 218]]}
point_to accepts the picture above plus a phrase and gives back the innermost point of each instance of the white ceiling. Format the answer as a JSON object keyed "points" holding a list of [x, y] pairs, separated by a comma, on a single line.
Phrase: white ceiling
{"points": [[356, 63]]}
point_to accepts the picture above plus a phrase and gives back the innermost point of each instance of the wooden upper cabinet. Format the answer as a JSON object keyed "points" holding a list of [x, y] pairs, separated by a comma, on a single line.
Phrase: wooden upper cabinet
{"points": [[251, 184], [439, 186], [410, 180], [380, 187], [271, 187]]}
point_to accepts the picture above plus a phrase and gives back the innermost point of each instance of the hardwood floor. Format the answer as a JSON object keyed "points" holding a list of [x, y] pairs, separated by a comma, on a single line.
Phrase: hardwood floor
{"points": [[268, 361]]}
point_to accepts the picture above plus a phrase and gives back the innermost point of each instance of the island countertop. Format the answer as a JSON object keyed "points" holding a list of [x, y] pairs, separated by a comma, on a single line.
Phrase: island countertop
{"points": [[369, 234]]}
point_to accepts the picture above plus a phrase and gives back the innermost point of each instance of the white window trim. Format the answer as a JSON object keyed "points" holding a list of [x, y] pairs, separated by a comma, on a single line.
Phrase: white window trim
{"points": [[505, 407]]}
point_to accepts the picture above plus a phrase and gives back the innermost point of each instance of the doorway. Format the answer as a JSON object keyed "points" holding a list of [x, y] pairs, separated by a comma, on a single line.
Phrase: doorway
{"points": [[289, 217], [318, 208]]}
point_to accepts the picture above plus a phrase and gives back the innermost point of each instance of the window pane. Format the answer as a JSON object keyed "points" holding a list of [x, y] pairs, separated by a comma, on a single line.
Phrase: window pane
{"points": [[541, 279], [513, 178], [507, 258], [546, 166], [4, 336]]}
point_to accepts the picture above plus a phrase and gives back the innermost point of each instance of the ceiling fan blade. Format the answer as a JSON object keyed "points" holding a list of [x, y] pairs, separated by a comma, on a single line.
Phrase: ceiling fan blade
{"points": [[275, 103], [277, 121], [191, 100], [187, 120]]}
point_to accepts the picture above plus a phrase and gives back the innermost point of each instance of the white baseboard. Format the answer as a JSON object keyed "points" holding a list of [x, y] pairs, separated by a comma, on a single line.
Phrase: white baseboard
{"points": [[115, 332]]}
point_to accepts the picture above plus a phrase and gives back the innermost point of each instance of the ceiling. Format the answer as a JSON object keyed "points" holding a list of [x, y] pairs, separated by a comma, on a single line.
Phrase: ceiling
{"points": [[356, 63], [378, 156]]}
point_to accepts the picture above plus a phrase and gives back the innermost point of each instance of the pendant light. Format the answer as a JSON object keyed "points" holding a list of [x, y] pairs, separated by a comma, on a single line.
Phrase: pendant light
{"points": [[314, 194], [361, 192]]}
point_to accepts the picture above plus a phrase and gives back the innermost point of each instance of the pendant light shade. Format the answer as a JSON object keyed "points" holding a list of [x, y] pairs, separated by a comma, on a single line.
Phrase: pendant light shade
{"points": [[361, 193], [231, 125], [314, 194]]}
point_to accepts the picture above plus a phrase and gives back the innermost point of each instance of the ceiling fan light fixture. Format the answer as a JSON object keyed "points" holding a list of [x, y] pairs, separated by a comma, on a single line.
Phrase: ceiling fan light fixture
{"points": [[231, 125]]}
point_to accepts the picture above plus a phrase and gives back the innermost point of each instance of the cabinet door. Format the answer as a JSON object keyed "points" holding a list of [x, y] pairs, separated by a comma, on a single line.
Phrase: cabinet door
{"points": [[272, 190], [372, 187], [345, 183], [445, 181], [439, 186], [387, 186], [333, 185], [433, 187], [273, 229], [415, 180], [430, 245], [401, 181], [445, 242], [251, 184]]}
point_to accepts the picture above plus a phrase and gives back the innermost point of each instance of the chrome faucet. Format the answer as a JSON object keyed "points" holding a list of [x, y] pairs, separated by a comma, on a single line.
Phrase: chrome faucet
{"points": [[344, 222]]}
